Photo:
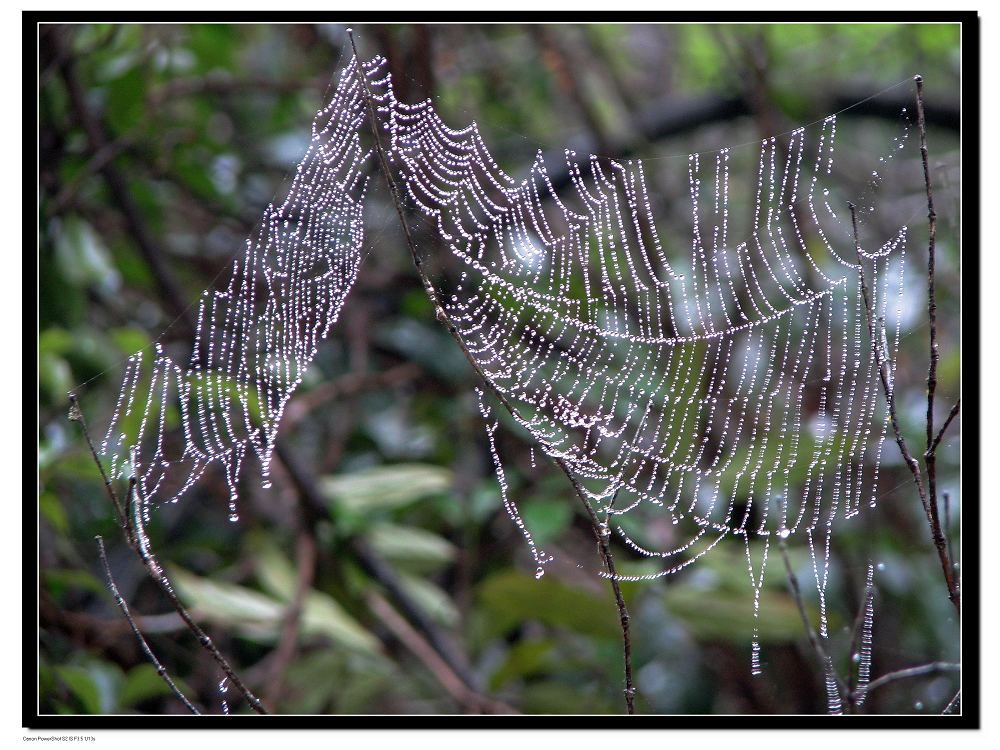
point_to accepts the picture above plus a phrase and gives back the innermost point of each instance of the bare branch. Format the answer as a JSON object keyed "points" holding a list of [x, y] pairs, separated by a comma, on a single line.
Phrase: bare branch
{"points": [[951, 415], [442, 671], [814, 640], [902, 674], [156, 572], [930, 509], [120, 601]]}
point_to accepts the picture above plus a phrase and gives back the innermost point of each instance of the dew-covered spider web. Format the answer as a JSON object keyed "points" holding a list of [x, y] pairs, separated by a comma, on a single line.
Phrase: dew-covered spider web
{"points": [[255, 337], [691, 379], [715, 383]]}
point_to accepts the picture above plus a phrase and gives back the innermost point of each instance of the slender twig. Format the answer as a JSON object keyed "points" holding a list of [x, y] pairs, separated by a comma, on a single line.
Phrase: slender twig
{"points": [[452, 329], [930, 509], [931, 298], [902, 674], [76, 415], [120, 601], [930, 455], [291, 626], [814, 639], [156, 572], [442, 671], [951, 415]]}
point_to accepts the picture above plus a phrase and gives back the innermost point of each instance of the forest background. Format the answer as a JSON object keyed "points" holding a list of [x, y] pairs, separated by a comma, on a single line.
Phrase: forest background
{"points": [[204, 124]]}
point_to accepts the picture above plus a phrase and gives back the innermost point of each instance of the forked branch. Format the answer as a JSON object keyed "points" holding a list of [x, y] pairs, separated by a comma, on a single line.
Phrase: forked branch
{"points": [[930, 509], [156, 572], [120, 601]]}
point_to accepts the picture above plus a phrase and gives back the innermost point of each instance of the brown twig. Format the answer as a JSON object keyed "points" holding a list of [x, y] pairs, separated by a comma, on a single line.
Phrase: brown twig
{"points": [[350, 384], [452, 329], [951, 415], [441, 670], [292, 624], [76, 415], [814, 639], [902, 674], [930, 509], [931, 298], [930, 455], [120, 601], [133, 537]]}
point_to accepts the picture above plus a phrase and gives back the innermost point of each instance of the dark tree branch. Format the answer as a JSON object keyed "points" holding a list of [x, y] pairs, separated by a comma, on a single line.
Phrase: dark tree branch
{"points": [[292, 624], [466, 697], [930, 455], [452, 329], [156, 572], [120, 601], [951, 415], [930, 509], [814, 639], [902, 674]]}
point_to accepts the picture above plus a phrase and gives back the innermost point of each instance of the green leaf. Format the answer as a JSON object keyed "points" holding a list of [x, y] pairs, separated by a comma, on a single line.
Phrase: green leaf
{"points": [[53, 512], [385, 487], [142, 683], [96, 685], [525, 659], [322, 614], [83, 256], [431, 599], [715, 602], [249, 612], [81, 684], [405, 544], [512, 598], [546, 519]]}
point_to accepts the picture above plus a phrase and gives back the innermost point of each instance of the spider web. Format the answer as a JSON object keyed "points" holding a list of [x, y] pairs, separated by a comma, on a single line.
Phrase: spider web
{"points": [[688, 383], [256, 337]]}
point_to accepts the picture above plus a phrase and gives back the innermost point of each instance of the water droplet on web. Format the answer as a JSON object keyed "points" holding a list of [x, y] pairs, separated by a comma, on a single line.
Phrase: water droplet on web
{"points": [[918, 706]]}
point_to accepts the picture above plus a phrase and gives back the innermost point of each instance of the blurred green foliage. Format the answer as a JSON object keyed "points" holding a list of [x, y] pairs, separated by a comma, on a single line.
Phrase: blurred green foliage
{"points": [[205, 123]]}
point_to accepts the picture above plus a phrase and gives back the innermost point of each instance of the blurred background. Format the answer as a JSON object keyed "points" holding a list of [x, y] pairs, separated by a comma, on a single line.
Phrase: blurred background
{"points": [[412, 591]]}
